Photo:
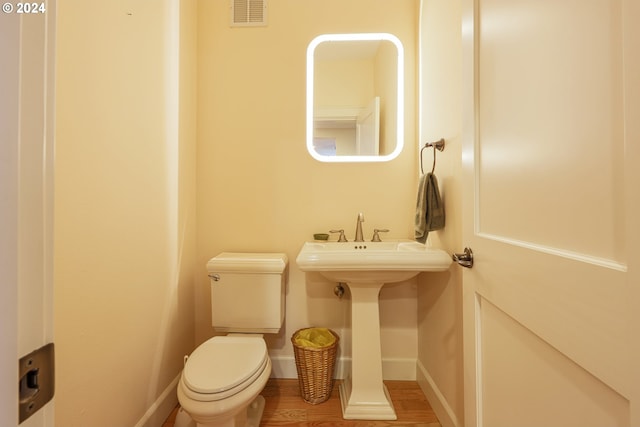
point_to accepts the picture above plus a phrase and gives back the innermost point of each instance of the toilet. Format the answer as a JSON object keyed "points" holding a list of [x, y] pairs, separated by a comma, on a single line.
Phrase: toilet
{"points": [[222, 379]]}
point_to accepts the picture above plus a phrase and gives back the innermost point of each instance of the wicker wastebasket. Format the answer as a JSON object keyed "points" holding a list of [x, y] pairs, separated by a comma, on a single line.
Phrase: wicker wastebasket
{"points": [[315, 367]]}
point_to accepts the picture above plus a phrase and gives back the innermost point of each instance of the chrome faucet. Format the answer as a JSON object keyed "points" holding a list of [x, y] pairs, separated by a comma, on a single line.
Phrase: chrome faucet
{"points": [[359, 236]]}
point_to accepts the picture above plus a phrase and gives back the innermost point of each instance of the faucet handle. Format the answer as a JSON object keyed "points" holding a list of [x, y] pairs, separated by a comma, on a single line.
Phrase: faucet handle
{"points": [[341, 238], [376, 236]]}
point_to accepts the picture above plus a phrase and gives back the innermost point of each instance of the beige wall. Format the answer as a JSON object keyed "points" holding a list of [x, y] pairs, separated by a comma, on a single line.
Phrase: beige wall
{"points": [[125, 209], [259, 189], [440, 369]]}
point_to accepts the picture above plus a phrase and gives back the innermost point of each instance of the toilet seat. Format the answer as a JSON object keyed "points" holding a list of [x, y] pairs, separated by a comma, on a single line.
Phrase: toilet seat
{"points": [[223, 366]]}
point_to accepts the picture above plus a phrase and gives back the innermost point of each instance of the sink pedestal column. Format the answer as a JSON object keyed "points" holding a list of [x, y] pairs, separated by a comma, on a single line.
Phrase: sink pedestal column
{"points": [[363, 395]]}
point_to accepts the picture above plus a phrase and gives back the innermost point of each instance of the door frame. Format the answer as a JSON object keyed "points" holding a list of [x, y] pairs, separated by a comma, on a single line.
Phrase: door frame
{"points": [[26, 134]]}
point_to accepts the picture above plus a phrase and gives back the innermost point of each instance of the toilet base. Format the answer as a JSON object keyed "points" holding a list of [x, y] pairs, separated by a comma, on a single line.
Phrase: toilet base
{"points": [[183, 419], [253, 417], [254, 412]]}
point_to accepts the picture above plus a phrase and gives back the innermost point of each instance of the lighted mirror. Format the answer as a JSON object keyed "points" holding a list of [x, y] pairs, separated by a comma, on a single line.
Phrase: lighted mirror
{"points": [[355, 97]]}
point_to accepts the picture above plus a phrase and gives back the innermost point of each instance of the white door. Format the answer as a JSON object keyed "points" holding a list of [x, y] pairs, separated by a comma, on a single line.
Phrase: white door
{"points": [[368, 129], [551, 160], [26, 192]]}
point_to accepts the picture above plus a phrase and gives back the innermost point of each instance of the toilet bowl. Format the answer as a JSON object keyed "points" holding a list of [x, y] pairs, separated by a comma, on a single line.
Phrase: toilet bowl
{"points": [[222, 379]]}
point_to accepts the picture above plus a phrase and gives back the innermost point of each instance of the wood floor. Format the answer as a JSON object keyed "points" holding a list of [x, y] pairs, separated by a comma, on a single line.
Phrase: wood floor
{"points": [[285, 407]]}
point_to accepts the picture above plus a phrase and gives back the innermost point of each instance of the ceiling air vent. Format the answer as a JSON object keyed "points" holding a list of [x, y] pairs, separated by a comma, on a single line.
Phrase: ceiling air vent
{"points": [[248, 13]]}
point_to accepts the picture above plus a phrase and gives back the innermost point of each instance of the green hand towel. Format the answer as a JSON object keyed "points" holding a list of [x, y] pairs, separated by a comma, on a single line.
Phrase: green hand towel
{"points": [[429, 208]]}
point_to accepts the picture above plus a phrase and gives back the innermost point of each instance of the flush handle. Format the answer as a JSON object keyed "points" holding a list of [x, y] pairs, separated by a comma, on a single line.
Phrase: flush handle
{"points": [[464, 259]]}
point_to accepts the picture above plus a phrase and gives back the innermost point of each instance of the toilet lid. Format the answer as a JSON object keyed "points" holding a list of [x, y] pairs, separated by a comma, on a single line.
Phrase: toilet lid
{"points": [[223, 363]]}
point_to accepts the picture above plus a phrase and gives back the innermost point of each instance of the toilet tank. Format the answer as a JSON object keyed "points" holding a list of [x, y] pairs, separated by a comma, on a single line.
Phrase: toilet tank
{"points": [[247, 291]]}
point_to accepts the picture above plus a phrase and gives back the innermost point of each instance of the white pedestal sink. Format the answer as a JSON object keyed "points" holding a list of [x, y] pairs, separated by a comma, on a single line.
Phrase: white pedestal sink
{"points": [[365, 267]]}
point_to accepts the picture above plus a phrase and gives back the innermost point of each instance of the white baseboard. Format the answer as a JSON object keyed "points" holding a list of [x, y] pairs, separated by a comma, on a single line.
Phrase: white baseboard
{"points": [[160, 410], [438, 402], [392, 369]]}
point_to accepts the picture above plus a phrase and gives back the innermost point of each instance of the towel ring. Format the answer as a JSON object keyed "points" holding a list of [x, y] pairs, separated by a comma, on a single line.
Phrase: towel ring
{"points": [[438, 145]]}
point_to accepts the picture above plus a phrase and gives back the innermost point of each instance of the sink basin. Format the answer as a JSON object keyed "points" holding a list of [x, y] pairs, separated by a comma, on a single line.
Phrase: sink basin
{"points": [[365, 267], [363, 262]]}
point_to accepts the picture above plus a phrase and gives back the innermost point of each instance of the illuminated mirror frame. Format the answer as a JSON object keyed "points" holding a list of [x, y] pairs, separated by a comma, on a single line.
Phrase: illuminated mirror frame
{"points": [[400, 90]]}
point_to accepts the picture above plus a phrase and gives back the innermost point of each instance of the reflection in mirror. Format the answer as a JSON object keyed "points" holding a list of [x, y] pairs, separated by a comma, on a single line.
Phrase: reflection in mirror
{"points": [[355, 97]]}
